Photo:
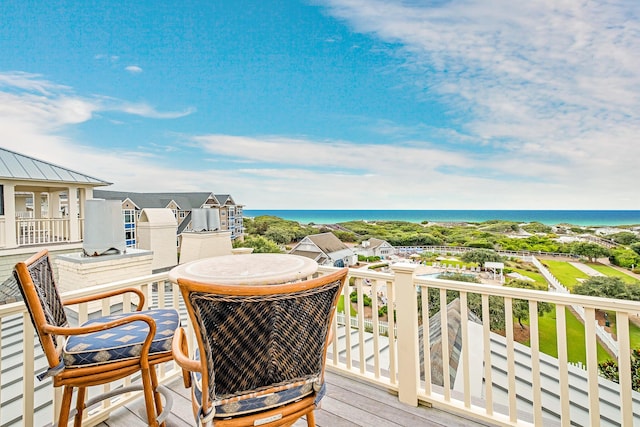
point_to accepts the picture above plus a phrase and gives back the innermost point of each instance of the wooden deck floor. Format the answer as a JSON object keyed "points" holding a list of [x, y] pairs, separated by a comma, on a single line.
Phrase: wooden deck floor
{"points": [[347, 403]]}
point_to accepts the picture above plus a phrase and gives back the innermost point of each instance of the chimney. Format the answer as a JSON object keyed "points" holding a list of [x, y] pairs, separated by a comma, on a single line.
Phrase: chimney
{"points": [[103, 228]]}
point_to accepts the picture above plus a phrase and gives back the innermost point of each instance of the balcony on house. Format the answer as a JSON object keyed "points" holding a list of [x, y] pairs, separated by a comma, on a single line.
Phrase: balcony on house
{"points": [[394, 372], [41, 203]]}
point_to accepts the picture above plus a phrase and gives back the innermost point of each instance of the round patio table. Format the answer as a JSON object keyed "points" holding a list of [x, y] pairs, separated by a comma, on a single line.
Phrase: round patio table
{"points": [[246, 269]]}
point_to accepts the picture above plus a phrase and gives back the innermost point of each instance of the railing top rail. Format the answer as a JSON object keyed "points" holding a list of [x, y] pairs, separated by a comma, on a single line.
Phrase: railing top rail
{"points": [[18, 307], [358, 272], [141, 280], [535, 295], [11, 309]]}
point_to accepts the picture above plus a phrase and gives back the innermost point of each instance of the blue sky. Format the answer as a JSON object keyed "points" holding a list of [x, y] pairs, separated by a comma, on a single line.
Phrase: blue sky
{"points": [[337, 104]]}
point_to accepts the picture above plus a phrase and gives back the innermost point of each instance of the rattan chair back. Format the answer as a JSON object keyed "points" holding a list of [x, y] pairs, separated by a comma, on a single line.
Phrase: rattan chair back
{"points": [[40, 294], [257, 339]]}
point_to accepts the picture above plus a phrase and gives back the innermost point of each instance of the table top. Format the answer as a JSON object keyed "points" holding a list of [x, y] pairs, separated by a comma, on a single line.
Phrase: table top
{"points": [[246, 269]]}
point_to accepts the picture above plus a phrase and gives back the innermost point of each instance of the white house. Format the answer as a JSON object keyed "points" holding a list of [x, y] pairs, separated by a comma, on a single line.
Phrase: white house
{"points": [[375, 247], [325, 249]]}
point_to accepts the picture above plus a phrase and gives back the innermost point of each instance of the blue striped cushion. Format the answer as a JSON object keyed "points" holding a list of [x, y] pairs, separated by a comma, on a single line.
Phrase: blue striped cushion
{"points": [[120, 343]]}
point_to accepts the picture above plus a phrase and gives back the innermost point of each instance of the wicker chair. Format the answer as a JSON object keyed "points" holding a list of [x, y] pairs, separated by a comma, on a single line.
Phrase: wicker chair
{"points": [[102, 350], [261, 350]]}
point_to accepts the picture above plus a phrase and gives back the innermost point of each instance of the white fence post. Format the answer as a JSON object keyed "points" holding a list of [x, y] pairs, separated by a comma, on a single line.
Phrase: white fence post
{"points": [[407, 321]]}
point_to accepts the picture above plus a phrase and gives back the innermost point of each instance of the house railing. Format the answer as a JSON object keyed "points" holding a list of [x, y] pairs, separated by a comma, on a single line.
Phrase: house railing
{"points": [[454, 250], [473, 370], [36, 231], [470, 369], [42, 231]]}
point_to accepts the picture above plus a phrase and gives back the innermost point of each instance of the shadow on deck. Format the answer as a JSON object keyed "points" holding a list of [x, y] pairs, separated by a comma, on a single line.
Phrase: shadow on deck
{"points": [[348, 402]]}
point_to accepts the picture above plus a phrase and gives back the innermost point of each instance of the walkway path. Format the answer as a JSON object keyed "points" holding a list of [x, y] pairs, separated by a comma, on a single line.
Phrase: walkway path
{"points": [[586, 269]]}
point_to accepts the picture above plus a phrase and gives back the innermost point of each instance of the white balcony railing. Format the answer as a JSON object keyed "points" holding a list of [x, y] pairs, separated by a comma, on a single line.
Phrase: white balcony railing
{"points": [[41, 231], [469, 369]]}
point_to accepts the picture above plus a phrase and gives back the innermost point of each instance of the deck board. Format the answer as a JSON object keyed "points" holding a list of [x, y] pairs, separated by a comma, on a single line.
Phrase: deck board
{"points": [[347, 403]]}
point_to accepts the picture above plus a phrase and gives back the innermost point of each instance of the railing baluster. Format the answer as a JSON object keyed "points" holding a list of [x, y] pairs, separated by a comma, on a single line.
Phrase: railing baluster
{"points": [[466, 372], [361, 357], [426, 340], [624, 366], [534, 341], [592, 361], [106, 310], [347, 323], [28, 372], [376, 328], [161, 294], [511, 374], [444, 341], [393, 349], [563, 371], [486, 339]]}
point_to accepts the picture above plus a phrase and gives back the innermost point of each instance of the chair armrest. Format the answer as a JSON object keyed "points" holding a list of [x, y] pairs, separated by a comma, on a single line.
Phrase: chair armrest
{"points": [[108, 294], [81, 330], [180, 350]]}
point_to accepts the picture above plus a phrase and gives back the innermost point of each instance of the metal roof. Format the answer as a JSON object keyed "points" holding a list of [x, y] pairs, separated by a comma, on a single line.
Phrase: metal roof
{"points": [[185, 201], [20, 167]]}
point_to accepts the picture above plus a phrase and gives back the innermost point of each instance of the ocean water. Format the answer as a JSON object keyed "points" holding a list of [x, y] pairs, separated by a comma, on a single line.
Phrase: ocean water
{"points": [[578, 217]]}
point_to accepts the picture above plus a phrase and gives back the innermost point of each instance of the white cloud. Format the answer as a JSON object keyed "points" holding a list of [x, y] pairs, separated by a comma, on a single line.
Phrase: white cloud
{"points": [[29, 82], [145, 110], [28, 97], [133, 69], [550, 90], [38, 118]]}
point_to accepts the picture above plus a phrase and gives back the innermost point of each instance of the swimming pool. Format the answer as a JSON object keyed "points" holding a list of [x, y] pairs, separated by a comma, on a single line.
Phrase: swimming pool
{"points": [[435, 275]]}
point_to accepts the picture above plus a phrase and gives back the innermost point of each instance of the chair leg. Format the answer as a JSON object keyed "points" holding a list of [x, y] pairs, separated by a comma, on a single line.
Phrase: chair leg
{"points": [[65, 407], [82, 391], [311, 419], [156, 394], [149, 401]]}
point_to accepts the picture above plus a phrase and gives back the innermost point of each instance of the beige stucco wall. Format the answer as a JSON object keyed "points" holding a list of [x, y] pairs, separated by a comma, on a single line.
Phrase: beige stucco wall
{"points": [[156, 231]]}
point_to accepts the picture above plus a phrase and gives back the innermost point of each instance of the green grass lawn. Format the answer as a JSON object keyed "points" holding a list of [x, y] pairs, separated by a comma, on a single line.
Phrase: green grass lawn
{"points": [[566, 273], [634, 331], [612, 272], [576, 351], [539, 278], [340, 307]]}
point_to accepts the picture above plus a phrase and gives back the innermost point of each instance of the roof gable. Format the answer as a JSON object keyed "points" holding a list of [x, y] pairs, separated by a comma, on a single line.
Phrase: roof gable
{"points": [[327, 242]]}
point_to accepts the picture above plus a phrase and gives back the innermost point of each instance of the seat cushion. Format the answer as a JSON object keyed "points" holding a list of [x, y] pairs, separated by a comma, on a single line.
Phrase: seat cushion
{"points": [[232, 407], [120, 343]]}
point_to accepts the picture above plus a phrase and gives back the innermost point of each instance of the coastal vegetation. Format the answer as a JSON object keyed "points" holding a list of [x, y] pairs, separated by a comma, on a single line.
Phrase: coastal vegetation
{"points": [[487, 238], [493, 235], [609, 287]]}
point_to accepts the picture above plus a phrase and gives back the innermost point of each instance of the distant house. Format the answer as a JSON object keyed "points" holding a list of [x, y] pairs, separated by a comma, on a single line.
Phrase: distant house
{"points": [[231, 217], [375, 247], [41, 203], [325, 249]]}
